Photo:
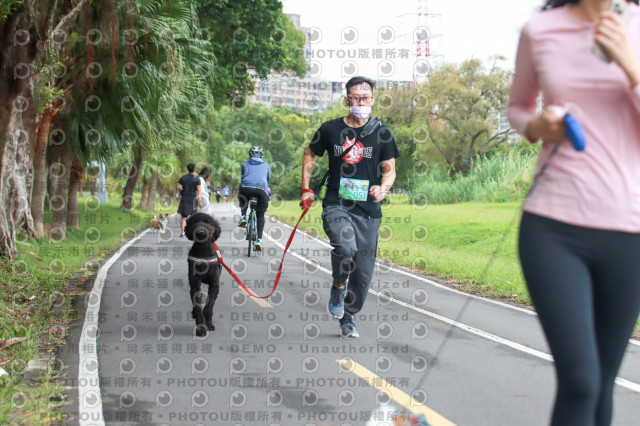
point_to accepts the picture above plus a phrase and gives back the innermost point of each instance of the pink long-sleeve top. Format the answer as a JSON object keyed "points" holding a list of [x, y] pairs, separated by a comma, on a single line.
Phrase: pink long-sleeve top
{"points": [[600, 186]]}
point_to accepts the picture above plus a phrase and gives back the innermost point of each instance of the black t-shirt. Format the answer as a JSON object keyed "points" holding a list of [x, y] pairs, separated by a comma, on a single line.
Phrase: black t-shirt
{"points": [[190, 185], [362, 162]]}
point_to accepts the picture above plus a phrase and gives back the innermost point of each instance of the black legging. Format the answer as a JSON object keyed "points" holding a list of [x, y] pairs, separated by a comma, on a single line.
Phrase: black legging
{"points": [[585, 286], [244, 195]]}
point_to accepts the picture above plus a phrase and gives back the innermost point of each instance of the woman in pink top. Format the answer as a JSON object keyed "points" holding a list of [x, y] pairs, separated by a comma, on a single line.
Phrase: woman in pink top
{"points": [[579, 240]]}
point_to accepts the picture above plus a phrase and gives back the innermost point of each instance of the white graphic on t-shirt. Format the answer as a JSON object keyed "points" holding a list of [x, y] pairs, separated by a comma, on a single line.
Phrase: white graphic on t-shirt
{"points": [[356, 153]]}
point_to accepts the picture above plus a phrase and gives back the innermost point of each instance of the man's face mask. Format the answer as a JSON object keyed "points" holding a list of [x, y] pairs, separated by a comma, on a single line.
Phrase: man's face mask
{"points": [[360, 112]]}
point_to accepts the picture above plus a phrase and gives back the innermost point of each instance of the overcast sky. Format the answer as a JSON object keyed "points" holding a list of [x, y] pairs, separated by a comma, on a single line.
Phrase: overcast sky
{"points": [[459, 30]]}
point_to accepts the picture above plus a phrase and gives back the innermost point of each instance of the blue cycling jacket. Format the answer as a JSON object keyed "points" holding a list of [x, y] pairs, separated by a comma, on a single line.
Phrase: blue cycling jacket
{"points": [[256, 173]]}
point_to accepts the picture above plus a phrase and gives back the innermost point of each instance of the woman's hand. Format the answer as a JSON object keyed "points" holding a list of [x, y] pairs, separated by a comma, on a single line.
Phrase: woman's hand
{"points": [[548, 126], [611, 34]]}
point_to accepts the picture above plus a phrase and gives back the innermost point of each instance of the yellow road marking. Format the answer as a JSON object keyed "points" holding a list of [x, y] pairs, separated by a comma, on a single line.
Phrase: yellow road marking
{"points": [[261, 302], [396, 394]]}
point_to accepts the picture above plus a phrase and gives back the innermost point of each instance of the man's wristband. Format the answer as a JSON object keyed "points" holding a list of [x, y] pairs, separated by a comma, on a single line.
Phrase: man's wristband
{"points": [[306, 190]]}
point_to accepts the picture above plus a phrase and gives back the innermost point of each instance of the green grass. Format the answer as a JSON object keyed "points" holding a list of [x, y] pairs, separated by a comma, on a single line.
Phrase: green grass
{"points": [[499, 178], [453, 242], [28, 287]]}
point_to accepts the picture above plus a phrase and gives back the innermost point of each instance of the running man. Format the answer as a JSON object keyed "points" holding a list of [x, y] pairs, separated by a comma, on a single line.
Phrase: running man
{"points": [[358, 182]]}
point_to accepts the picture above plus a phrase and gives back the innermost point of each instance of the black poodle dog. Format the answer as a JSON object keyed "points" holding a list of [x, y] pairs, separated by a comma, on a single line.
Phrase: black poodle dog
{"points": [[204, 267]]}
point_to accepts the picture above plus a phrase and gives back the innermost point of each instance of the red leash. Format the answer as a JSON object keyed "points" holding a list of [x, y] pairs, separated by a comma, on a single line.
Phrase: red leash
{"points": [[275, 284]]}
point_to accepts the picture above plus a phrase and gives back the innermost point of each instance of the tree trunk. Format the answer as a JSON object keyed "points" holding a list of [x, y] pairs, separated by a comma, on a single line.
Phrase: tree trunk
{"points": [[19, 75], [58, 202], [92, 174], [40, 171], [143, 195], [15, 179], [17, 115], [134, 172], [53, 171], [24, 175], [93, 186], [153, 190], [75, 185]]}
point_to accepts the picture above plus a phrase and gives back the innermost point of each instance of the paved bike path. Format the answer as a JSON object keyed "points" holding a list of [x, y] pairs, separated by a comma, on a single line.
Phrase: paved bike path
{"points": [[283, 362]]}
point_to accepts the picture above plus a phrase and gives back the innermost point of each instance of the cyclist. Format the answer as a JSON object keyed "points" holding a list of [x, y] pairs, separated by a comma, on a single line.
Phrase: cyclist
{"points": [[254, 183]]}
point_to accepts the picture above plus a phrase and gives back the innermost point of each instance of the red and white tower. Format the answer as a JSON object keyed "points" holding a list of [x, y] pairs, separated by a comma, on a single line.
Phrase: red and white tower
{"points": [[422, 43], [422, 36]]}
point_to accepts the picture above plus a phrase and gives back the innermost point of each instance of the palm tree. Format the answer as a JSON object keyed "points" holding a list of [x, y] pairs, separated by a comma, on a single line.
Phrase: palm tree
{"points": [[22, 60], [128, 110], [170, 90]]}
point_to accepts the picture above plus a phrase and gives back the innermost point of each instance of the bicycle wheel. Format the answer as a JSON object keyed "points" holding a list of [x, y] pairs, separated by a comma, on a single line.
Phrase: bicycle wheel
{"points": [[249, 236], [252, 230]]}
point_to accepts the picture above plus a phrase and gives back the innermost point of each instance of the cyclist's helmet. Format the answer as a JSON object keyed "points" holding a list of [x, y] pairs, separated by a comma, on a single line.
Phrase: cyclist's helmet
{"points": [[255, 151]]}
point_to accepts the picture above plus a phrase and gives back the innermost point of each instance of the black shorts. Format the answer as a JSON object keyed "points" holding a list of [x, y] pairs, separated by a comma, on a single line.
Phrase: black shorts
{"points": [[188, 206], [245, 194]]}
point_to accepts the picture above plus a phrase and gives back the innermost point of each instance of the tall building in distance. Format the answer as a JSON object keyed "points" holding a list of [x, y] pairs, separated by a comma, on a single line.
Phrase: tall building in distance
{"points": [[309, 94], [295, 19], [306, 95]]}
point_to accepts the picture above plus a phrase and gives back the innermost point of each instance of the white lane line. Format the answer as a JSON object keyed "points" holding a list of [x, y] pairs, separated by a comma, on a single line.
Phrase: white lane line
{"points": [[634, 342], [543, 355], [476, 331], [90, 399], [431, 282], [517, 346]]}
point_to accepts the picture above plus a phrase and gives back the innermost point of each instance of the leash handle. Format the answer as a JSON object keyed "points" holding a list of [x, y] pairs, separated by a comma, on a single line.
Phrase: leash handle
{"points": [[275, 284]]}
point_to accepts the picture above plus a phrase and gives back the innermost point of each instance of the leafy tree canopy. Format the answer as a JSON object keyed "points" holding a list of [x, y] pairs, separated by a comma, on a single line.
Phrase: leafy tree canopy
{"points": [[250, 36], [453, 116]]}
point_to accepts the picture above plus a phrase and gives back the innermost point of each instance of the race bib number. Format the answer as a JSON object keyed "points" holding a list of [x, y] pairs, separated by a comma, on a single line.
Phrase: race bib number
{"points": [[353, 189]]}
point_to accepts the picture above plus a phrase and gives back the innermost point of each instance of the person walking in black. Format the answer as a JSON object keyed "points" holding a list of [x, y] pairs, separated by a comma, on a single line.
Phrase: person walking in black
{"points": [[189, 187]]}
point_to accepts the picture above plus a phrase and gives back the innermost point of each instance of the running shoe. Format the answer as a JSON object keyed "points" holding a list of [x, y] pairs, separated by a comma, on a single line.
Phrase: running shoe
{"points": [[336, 301], [348, 327]]}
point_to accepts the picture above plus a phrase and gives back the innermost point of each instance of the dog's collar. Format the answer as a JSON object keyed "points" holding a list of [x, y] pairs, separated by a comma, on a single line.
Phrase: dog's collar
{"points": [[201, 259]]}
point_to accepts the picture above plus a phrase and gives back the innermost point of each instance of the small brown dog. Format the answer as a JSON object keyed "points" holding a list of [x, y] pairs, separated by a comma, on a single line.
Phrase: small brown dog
{"points": [[158, 225]]}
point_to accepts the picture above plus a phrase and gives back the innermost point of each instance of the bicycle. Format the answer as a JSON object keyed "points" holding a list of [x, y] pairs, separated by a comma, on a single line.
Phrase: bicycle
{"points": [[251, 230]]}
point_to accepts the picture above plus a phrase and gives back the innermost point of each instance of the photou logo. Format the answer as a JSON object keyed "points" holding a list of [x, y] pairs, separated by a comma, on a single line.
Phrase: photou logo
{"points": [[274, 365], [386, 68], [348, 69], [127, 366], [315, 68], [313, 35], [349, 35], [346, 398], [199, 365], [386, 35], [274, 398], [418, 364], [421, 67], [421, 34]]}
